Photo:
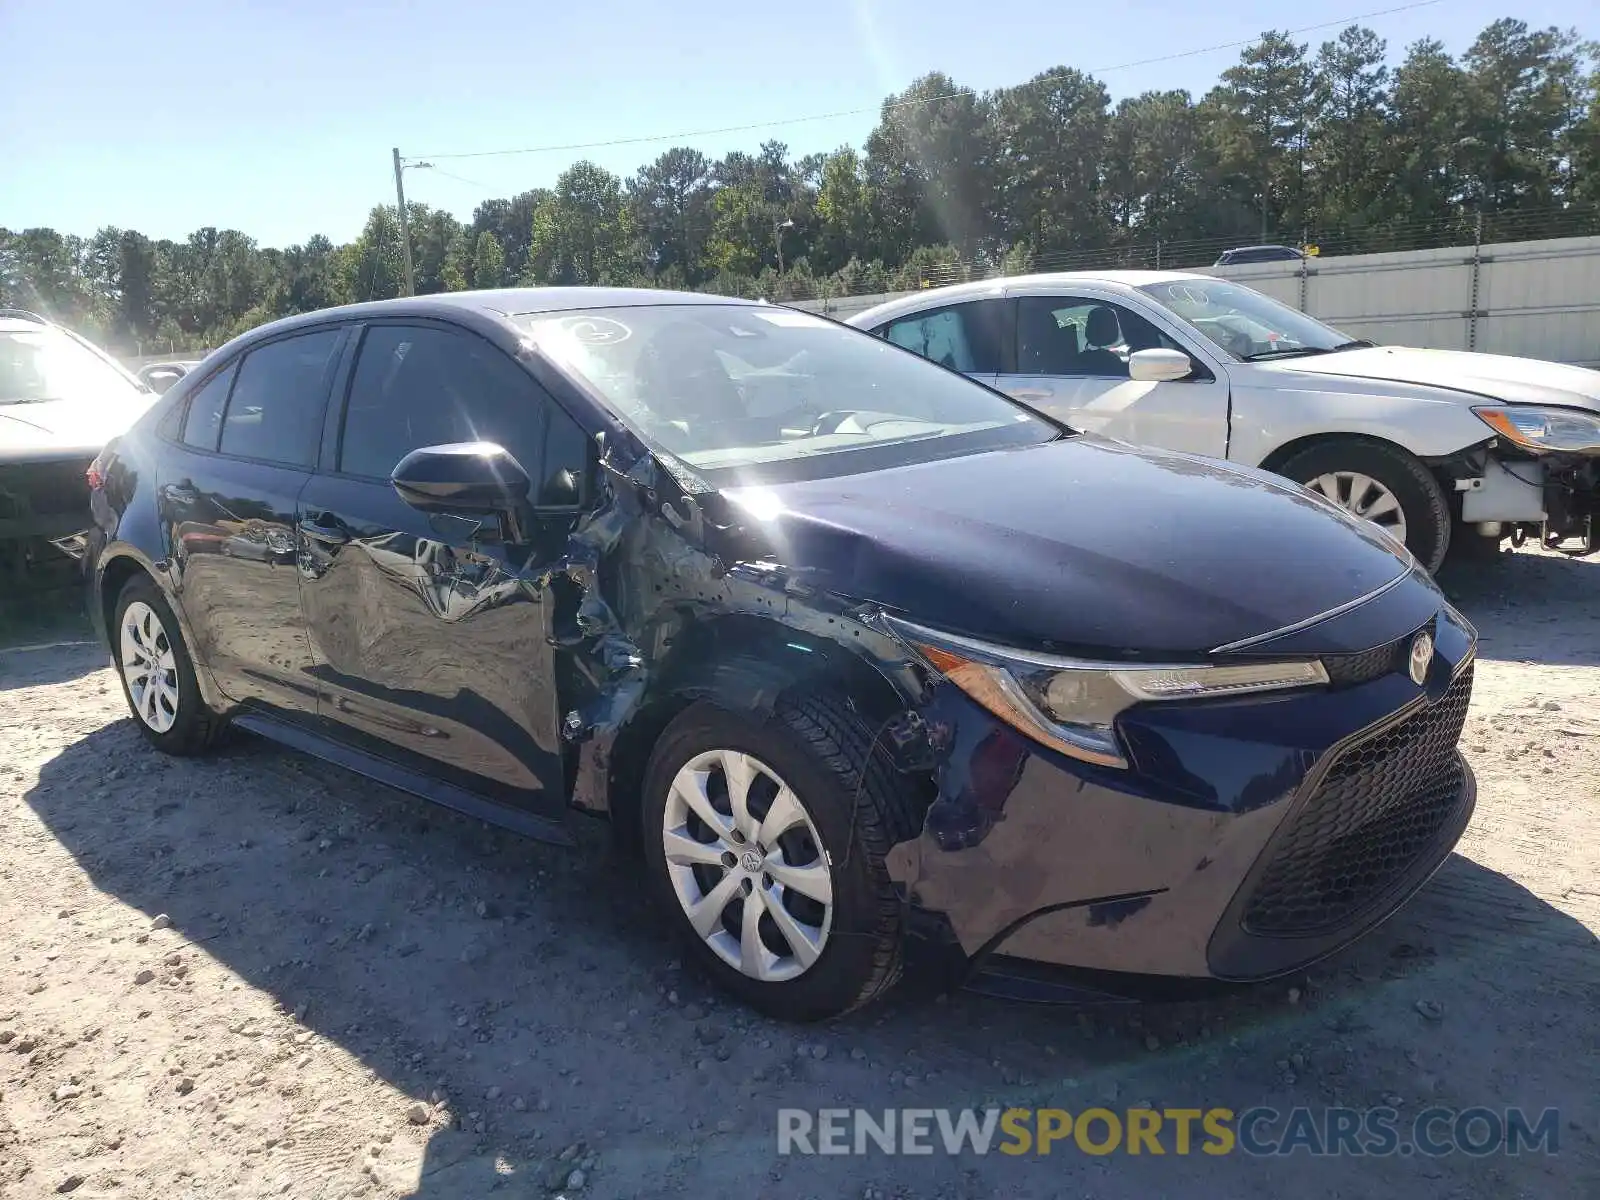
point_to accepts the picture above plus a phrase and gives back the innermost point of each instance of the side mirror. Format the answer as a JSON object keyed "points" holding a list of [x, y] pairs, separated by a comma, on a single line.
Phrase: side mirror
{"points": [[1159, 366], [465, 477]]}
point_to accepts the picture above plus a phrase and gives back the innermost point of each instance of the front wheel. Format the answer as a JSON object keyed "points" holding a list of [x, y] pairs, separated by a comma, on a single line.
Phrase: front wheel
{"points": [[766, 841], [1384, 485]]}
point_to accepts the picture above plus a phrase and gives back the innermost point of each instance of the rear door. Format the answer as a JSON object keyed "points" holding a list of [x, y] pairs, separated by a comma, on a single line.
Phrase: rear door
{"points": [[226, 496], [432, 635], [966, 337], [1071, 360]]}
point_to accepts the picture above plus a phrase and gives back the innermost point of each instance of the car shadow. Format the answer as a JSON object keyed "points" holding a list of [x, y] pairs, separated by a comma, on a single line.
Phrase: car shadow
{"points": [[1531, 605], [533, 992], [36, 657]]}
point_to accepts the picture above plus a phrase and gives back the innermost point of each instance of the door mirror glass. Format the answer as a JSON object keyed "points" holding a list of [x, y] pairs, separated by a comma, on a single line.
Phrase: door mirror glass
{"points": [[1159, 366], [464, 477]]}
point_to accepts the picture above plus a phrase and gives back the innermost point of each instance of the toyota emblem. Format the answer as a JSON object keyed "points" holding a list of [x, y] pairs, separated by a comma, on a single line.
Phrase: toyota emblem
{"points": [[1421, 658]]}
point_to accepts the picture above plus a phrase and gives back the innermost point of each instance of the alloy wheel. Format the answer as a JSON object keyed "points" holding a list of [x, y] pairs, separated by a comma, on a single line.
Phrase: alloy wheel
{"points": [[149, 666], [747, 865], [1365, 497]]}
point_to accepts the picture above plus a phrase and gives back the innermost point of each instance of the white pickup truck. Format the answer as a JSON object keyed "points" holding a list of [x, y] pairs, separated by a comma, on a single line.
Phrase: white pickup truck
{"points": [[1432, 445]]}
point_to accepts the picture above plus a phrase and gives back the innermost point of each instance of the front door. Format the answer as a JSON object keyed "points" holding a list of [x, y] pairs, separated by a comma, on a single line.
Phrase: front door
{"points": [[431, 634], [227, 498], [1072, 362]]}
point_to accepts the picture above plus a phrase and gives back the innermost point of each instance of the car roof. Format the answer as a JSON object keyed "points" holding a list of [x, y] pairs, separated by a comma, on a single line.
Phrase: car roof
{"points": [[1043, 282], [500, 303], [1271, 246], [21, 325]]}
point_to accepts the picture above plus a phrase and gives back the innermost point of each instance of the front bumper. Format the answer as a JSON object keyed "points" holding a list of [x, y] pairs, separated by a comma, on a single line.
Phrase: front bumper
{"points": [[1250, 838]]}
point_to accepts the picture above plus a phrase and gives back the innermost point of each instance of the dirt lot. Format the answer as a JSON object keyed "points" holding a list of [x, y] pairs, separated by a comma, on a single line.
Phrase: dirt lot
{"points": [[258, 975]]}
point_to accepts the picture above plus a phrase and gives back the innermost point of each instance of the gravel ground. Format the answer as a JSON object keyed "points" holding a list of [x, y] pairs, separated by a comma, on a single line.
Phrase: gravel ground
{"points": [[258, 975]]}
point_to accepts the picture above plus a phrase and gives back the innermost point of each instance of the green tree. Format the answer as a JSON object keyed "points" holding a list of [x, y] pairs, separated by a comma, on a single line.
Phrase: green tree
{"points": [[930, 170], [1350, 99], [488, 262], [843, 210], [1257, 120], [1428, 111], [582, 234], [1051, 133], [670, 202], [1523, 88]]}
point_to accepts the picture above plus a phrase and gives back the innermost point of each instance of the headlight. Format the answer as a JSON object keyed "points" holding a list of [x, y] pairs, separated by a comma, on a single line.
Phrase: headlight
{"points": [[1534, 427], [1071, 705]]}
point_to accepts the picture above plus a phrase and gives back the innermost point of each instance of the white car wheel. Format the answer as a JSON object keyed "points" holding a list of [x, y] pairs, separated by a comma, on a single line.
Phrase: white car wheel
{"points": [[1365, 497]]}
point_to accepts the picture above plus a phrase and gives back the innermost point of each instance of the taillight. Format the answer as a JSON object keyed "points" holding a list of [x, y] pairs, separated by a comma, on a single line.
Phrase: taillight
{"points": [[96, 474]]}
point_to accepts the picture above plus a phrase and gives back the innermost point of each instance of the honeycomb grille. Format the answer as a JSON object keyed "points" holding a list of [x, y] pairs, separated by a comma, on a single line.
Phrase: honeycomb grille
{"points": [[1376, 810], [1346, 670]]}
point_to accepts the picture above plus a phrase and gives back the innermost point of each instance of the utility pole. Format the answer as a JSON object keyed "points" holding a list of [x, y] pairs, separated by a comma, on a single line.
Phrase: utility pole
{"points": [[777, 239], [405, 224]]}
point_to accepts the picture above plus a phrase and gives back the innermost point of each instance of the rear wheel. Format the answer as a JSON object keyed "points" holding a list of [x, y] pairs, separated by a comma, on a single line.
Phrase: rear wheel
{"points": [[157, 673], [1384, 485], [766, 842]]}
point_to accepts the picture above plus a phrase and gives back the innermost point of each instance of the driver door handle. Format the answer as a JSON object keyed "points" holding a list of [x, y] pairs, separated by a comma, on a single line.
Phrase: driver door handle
{"points": [[327, 529]]}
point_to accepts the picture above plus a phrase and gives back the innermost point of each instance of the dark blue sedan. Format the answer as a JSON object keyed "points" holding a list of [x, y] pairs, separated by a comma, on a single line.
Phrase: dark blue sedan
{"points": [[860, 657]]}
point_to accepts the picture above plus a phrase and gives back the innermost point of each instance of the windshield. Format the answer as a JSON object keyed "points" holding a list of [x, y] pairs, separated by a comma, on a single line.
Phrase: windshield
{"points": [[46, 364], [1245, 323], [728, 388]]}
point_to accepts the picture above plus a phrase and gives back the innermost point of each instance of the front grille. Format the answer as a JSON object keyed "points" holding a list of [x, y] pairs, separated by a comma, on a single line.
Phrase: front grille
{"points": [[43, 489], [1347, 670], [1375, 811]]}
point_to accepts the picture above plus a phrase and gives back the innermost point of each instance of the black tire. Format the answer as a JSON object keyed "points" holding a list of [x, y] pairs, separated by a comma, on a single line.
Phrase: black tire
{"points": [[1422, 499], [195, 729], [860, 806]]}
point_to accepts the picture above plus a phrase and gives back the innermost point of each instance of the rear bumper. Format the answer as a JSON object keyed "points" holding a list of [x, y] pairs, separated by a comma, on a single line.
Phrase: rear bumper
{"points": [[1249, 840]]}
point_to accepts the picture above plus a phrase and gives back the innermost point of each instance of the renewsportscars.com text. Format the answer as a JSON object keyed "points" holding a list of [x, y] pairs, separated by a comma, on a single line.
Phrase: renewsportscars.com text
{"points": [[1360, 1132]]}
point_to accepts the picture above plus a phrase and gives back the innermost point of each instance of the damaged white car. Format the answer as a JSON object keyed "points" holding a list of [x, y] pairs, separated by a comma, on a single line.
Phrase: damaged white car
{"points": [[1438, 447]]}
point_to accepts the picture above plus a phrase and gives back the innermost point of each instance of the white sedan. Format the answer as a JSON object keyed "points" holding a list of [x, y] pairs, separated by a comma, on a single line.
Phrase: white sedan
{"points": [[1428, 444]]}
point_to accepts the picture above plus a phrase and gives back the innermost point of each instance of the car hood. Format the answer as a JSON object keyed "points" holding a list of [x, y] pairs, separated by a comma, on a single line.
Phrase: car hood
{"points": [[66, 428], [1495, 376], [1079, 545]]}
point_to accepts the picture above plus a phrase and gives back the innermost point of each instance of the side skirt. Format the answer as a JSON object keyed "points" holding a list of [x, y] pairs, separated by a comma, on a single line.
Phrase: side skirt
{"points": [[404, 779]]}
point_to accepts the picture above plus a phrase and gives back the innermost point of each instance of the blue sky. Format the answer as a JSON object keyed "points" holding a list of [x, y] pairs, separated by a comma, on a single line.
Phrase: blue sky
{"points": [[276, 116]]}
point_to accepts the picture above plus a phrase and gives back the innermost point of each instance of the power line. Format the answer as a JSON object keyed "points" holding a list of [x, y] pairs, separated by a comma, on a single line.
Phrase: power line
{"points": [[428, 166], [852, 112]]}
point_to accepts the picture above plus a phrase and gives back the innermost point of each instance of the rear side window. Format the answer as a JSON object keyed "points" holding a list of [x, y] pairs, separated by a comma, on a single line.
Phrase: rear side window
{"points": [[963, 337], [203, 424], [418, 385], [275, 412]]}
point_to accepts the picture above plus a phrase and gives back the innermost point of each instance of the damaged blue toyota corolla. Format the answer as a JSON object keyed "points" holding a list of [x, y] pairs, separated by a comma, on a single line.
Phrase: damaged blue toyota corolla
{"points": [[862, 657]]}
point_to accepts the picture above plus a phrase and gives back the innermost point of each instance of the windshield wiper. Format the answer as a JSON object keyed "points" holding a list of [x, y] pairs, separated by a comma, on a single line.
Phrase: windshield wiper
{"points": [[1305, 351]]}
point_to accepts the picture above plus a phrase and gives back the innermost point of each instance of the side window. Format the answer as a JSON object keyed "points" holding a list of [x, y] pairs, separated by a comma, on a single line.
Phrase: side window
{"points": [[963, 337], [425, 386], [275, 412], [203, 423], [1065, 335]]}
